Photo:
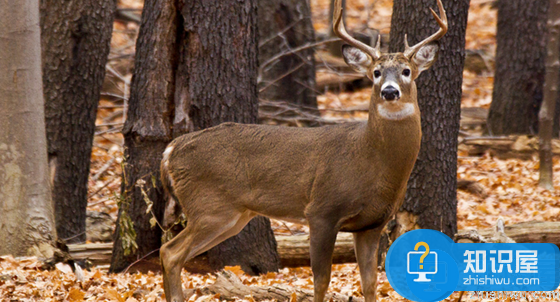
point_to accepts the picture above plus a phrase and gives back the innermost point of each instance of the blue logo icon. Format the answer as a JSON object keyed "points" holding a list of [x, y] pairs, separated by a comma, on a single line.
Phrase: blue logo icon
{"points": [[418, 264], [426, 265]]}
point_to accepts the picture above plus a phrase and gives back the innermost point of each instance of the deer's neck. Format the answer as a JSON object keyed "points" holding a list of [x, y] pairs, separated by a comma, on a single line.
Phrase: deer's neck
{"points": [[395, 138]]}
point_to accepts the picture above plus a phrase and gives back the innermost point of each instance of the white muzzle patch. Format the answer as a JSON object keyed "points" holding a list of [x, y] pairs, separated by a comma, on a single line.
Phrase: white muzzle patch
{"points": [[391, 83]]}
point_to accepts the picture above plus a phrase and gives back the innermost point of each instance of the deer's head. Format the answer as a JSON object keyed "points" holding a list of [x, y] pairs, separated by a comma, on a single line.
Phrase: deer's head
{"points": [[393, 74]]}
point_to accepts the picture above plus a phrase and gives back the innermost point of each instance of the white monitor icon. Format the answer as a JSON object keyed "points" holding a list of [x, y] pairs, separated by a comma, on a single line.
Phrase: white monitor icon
{"points": [[428, 265]]}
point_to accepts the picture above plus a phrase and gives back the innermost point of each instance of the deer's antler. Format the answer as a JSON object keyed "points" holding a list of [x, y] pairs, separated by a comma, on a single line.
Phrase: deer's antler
{"points": [[410, 51], [340, 31]]}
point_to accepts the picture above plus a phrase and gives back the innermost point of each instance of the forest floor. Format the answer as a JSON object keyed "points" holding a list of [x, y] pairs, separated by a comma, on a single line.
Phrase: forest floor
{"points": [[506, 186]]}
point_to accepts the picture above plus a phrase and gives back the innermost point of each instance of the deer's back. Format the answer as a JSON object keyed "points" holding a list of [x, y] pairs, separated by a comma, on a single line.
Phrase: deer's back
{"points": [[255, 166]]}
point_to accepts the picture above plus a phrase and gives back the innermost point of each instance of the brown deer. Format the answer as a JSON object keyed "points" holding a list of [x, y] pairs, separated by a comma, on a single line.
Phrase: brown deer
{"points": [[349, 177]]}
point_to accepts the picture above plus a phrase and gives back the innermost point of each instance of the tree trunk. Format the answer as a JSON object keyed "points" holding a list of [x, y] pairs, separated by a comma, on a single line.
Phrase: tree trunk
{"points": [[520, 69], [147, 130], [26, 214], [546, 114], [285, 25], [431, 197], [231, 74], [189, 75], [75, 40]]}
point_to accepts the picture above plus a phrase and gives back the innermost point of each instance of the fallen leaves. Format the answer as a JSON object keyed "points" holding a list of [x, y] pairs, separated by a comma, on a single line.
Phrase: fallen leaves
{"points": [[512, 192], [509, 186]]}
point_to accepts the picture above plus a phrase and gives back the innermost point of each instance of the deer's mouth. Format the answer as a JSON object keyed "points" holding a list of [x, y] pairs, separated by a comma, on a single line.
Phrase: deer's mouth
{"points": [[395, 110]]}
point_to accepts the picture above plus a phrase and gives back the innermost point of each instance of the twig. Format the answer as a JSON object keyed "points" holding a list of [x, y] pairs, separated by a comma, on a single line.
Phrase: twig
{"points": [[113, 95], [286, 226], [110, 130], [295, 50], [117, 74], [282, 76], [72, 237], [112, 140], [128, 15], [113, 115], [125, 90], [110, 107], [262, 43], [486, 138], [107, 183], [141, 258], [110, 124], [121, 56], [103, 169], [99, 202], [288, 106]]}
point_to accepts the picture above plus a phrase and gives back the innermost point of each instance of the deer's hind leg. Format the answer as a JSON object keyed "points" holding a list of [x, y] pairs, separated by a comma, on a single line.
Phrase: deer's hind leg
{"points": [[203, 232]]}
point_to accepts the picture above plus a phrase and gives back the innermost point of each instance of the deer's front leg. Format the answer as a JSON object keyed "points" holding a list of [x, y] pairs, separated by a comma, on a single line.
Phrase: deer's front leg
{"points": [[365, 246], [322, 238]]}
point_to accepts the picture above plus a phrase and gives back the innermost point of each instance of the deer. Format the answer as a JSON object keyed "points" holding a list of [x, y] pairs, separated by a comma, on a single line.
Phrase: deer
{"points": [[348, 177]]}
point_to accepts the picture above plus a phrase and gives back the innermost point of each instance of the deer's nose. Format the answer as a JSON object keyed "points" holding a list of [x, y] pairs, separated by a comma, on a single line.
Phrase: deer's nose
{"points": [[390, 93]]}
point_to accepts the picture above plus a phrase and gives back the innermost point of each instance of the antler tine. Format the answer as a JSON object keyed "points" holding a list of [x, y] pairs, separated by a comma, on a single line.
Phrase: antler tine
{"points": [[410, 51], [340, 31]]}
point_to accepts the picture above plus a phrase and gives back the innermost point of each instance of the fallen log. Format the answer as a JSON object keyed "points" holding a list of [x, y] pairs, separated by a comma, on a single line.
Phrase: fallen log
{"points": [[294, 249], [228, 286], [97, 253], [529, 232]]}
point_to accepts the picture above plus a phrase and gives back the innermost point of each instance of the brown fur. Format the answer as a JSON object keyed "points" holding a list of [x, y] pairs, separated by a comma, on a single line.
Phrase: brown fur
{"points": [[348, 177]]}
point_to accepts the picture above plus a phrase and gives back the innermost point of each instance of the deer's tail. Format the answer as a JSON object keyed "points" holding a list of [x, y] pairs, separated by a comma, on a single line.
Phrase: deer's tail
{"points": [[172, 207]]}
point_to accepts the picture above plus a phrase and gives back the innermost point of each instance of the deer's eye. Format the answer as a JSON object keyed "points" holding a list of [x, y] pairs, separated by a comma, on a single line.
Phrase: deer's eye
{"points": [[406, 72], [377, 73]]}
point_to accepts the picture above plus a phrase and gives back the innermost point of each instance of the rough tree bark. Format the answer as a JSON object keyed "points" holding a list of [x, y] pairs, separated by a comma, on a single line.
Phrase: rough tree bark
{"points": [[546, 114], [431, 197], [285, 25], [191, 74], [26, 214], [75, 38], [147, 129], [520, 68]]}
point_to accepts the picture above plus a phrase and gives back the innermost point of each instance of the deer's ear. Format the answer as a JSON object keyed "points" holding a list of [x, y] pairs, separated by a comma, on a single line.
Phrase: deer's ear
{"points": [[426, 56], [357, 59]]}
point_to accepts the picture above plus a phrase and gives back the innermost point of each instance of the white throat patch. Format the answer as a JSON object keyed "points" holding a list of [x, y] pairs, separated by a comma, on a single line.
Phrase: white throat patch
{"points": [[406, 110]]}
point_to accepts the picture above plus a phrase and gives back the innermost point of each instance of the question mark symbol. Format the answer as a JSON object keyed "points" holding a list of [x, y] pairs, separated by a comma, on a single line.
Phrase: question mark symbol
{"points": [[424, 244]]}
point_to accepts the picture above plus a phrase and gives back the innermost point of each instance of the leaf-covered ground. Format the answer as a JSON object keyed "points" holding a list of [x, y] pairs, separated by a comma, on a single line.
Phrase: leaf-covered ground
{"points": [[508, 186]]}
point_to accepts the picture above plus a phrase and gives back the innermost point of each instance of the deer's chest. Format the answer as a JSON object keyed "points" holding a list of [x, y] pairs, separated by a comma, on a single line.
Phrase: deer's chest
{"points": [[373, 215], [374, 208]]}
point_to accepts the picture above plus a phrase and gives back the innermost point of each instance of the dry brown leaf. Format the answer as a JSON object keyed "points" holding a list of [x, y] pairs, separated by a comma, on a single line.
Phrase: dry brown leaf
{"points": [[236, 270], [76, 295], [115, 295], [293, 297]]}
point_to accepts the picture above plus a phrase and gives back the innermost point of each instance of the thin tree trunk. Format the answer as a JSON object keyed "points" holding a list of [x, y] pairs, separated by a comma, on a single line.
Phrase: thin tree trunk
{"points": [[286, 25], [190, 74], [26, 214], [546, 114], [520, 68], [431, 197], [75, 41]]}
